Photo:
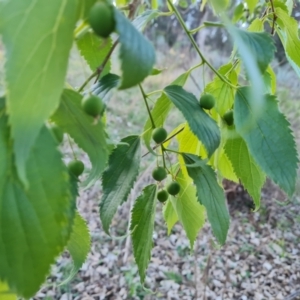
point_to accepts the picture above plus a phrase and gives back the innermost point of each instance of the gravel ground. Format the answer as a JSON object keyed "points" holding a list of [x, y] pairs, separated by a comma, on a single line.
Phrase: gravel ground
{"points": [[259, 261]]}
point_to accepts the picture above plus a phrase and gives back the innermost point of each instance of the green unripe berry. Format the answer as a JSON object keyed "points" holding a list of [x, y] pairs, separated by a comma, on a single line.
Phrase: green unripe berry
{"points": [[228, 118], [159, 174], [207, 101], [76, 167], [162, 196], [101, 19], [92, 105], [159, 135], [173, 188], [57, 132]]}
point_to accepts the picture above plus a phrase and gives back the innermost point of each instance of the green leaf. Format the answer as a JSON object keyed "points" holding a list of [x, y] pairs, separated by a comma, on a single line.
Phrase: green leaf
{"points": [[142, 20], [119, 177], [256, 50], [160, 110], [259, 44], [141, 226], [86, 5], [35, 223], [5, 293], [268, 137], [245, 167], [223, 93], [136, 52], [88, 136], [201, 124], [251, 5], [170, 215], [225, 167], [288, 33], [79, 245], [257, 25], [209, 194], [94, 50], [220, 5], [36, 68], [238, 12], [269, 78], [189, 211], [104, 86], [189, 143]]}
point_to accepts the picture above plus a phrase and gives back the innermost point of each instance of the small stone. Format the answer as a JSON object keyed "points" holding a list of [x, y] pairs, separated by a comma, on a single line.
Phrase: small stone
{"points": [[267, 266]]}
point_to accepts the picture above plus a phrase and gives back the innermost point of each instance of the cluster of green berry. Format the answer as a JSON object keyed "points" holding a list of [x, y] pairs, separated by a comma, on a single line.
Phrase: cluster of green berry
{"points": [[208, 101], [159, 135]]}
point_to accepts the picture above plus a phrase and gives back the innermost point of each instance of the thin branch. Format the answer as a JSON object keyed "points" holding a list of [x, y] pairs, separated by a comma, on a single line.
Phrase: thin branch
{"points": [[190, 36], [274, 17], [100, 69]]}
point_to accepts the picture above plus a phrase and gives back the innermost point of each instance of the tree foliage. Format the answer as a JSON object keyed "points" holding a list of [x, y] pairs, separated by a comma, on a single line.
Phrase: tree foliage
{"points": [[241, 134]]}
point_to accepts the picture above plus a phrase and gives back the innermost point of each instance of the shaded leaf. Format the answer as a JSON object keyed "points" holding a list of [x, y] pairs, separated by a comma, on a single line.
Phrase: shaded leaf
{"points": [[88, 136], [209, 194], [136, 53], [35, 70], [119, 177], [268, 137], [201, 124], [141, 21], [35, 223], [104, 86], [259, 44], [141, 226]]}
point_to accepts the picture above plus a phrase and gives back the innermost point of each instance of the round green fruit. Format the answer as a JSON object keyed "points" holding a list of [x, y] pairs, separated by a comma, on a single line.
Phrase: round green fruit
{"points": [[76, 167], [173, 188], [228, 118], [159, 174], [207, 101], [101, 19], [159, 135], [92, 105], [57, 132], [162, 196]]}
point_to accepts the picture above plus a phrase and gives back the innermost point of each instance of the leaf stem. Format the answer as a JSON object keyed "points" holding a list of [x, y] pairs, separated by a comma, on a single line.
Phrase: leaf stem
{"points": [[206, 24], [147, 106], [154, 92], [100, 69], [71, 146], [173, 151], [163, 155], [183, 25]]}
